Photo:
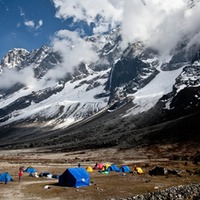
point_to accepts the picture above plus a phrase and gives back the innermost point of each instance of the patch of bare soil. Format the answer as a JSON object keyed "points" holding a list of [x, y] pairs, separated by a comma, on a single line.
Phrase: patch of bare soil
{"points": [[103, 186]]}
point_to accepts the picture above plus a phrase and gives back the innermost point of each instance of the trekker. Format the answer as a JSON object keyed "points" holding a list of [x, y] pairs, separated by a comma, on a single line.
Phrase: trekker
{"points": [[20, 175], [21, 168]]}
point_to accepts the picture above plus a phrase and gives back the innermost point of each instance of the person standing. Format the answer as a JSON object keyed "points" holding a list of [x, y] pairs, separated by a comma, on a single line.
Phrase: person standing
{"points": [[20, 175]]}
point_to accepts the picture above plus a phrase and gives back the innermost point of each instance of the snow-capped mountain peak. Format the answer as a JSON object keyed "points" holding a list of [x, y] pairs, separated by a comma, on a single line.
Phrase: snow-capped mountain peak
{"points": [[14, 58]]}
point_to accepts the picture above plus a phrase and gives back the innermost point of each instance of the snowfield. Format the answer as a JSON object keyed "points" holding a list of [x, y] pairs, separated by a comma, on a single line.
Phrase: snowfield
{"points": [[146, 97], [75, 102]]}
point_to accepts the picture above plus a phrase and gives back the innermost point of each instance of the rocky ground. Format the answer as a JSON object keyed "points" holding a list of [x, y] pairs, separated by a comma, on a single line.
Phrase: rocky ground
{"points": [[191, 191]]}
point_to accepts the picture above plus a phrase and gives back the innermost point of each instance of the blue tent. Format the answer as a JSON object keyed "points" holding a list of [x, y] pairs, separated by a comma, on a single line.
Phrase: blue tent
{"points": [[30, 170], [75, 177], [5, 177], [124, 169], [113, 167]]}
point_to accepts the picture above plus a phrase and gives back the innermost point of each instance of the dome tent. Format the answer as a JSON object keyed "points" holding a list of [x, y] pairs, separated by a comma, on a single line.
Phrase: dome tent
{"points": [[30, 170], [5, 177], [113, 167], [98, 166], [124, 169], [89, 169]]}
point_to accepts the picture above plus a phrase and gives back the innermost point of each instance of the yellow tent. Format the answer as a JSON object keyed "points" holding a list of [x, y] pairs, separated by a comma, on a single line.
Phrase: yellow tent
{"points": [[139, 170], [105, 167], [89, 169]]}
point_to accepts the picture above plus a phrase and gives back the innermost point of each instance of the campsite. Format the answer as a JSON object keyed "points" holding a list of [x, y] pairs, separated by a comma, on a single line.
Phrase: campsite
{"points": [[114, 184]]}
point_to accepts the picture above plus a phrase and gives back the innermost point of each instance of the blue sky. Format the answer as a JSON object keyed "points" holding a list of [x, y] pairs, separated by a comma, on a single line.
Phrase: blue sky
{"points": [[30, 24]]}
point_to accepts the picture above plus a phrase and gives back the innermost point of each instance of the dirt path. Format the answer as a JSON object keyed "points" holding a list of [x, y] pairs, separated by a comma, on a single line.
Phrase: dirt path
{"points": [[12, 193], [15, 190]]}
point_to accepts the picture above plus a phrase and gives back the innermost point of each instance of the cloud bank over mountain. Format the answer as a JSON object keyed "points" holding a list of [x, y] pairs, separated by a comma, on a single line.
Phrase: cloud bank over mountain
{"points": [[10, 77], [73, 49], [159, 24]]}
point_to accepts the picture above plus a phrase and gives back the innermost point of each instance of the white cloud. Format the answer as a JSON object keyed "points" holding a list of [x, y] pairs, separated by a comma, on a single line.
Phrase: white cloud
{"points": [[172, 24], [9, 77], [21, 11], [88, 10], [29, 23], [160, 24], [40, 23], [73, 49], [32, 25]]}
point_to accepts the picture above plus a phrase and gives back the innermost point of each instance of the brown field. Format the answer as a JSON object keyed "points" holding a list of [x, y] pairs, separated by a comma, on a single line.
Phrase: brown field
{"points": [[113, 185]]}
